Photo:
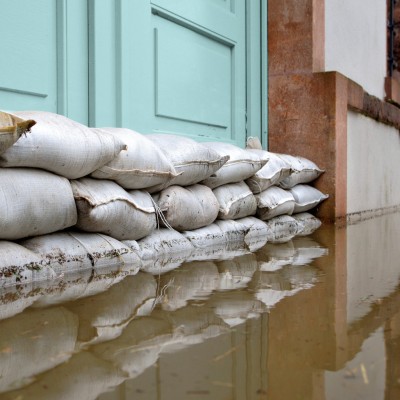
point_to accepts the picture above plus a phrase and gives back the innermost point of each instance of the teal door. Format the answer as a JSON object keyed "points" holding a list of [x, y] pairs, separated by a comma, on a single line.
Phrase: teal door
{"points": [[44, 56], [185, 69]]}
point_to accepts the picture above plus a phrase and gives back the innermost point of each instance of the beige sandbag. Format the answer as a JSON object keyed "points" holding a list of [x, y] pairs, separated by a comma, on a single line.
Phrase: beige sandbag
{"points": [[282, 229], [34, 342], [274, 171], [274, 201], [187, 208], [307, 223], [302, 171], [193, 161], [103, 206], [306, 197], [34, 202], [242, 164], [235, 200], [256, 232], [142, 165], [19, 265], [60, 145], [11, 129], [67, 252]]}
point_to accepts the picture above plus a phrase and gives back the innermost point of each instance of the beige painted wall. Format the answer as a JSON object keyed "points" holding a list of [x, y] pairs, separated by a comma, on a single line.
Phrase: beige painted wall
{"points": [[373, 177], [355, 41]]}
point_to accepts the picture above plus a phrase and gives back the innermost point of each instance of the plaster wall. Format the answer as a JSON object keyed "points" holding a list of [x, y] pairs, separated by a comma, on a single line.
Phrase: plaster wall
{"points": [[373, 150], [355, 42]]}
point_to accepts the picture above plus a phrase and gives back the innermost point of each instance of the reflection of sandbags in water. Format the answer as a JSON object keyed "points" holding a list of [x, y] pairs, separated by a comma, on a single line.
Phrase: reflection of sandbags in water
{"points": [[307, 250], [19, 265], [104, 316], [73, 251], [235, 306], [138, 347], [307, 223], [272, 287], [192, 325], [33, 342], [192, 281], [282, 229], [162, 251], [274, 256], [236, 273], [84, 376], [77, 285]]}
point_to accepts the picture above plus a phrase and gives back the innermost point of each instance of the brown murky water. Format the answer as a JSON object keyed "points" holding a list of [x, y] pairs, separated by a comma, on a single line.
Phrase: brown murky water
{"points": [[316, 317]]}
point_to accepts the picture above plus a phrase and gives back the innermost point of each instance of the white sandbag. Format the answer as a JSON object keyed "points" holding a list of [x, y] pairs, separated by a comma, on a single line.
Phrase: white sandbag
{"points": [[306, 197], [34, 202], [161, 251], [307, 223], [274, 171], [11, 129], [257, 232], [19, 265], [302, 171], [220, 252], [235, 200], [274, 201], [34, 342], [103, 317], [196, 280], [242, 164], [67, 252], [142, 165], [60, 145], [188, 208], [103, 206], [282, 229], [193, 161]]}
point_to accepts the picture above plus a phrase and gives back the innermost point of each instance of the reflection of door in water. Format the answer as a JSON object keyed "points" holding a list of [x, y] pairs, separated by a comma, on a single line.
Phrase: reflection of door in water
{"points": [[187, 67]]}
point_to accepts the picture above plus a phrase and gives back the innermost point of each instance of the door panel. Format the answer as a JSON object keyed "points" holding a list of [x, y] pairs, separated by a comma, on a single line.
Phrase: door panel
{"points": [[44, 51], [187, 70]]}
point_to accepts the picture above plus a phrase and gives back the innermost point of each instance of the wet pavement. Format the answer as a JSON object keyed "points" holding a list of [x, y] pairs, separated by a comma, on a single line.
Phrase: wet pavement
{"points": [[313, 317]]}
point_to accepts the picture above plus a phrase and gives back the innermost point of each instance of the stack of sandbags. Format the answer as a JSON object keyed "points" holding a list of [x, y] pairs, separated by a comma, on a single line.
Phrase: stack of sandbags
{"points": [[282, 185]]}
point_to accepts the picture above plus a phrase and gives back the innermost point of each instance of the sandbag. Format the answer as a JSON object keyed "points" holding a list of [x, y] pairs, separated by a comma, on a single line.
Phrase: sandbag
{"points": [[282, 229], [193, 161], [11, 129], [103, 206], [256, 232], [19, 265], [187, 208], [302, 171], [60, 145], [67, 252], [34, 202], [274, 201], [162, 251], [274, 171], [307, 223], [141, 166], [242, 164], [306, 197], [235, 200]]}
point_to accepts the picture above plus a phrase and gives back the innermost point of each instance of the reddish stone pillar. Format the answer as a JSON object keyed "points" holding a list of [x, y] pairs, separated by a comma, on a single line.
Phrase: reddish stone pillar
{"points": [[307, 108]]}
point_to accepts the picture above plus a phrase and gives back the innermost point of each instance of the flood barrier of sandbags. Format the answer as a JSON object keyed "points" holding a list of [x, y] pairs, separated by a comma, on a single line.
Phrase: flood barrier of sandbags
{"points": [[71, 194]]}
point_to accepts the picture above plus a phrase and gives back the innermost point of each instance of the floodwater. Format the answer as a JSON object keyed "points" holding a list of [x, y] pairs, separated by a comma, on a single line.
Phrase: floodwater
{"points": [[315, 317]]}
